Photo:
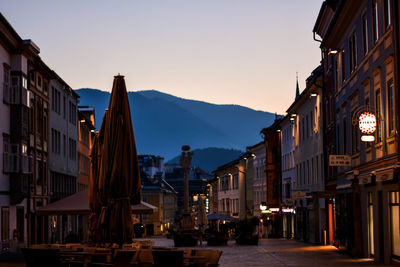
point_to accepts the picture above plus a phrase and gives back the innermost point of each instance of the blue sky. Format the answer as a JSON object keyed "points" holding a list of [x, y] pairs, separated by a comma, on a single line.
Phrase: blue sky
{"points": [[225, 52]]}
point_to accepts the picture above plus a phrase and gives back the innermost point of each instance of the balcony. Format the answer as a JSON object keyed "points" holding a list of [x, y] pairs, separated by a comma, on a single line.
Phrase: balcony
{"points": [[14, 163]]}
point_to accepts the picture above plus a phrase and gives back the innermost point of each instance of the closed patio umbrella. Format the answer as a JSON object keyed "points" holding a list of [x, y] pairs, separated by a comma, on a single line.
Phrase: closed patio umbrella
{"points": [[116, 176]]}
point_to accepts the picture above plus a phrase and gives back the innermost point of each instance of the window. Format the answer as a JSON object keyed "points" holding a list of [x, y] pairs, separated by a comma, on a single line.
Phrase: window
{"points": [[352, 52], [365, 34], [302, 128], [55, 141], [338, 139], [14, 90], [65, 145], [64, 107], [391, 110], [355, 139], [343, 66], [6, 154], [308, 129], [6, 83], [72, 149], [288, 190], [378, 115], [388, 15], [5, 223], [72, 113], [311, 122], [394, 204], [375, 21], [370, 224], [55, 100], [344, 136]]}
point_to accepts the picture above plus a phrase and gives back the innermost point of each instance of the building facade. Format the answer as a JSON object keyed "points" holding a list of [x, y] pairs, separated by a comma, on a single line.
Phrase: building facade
{"points": [[85, 141], [308, 190], [63, 133], [360, 49], [258, 181], [231, 191], [272, 141], [288, 175], [16, 111]]}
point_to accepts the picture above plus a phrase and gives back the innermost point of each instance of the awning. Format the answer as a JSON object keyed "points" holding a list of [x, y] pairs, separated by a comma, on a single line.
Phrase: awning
{"points": [[78, 204]]}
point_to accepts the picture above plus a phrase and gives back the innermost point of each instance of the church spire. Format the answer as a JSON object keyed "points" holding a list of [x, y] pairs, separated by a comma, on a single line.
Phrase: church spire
{"points": [[297, 85]]}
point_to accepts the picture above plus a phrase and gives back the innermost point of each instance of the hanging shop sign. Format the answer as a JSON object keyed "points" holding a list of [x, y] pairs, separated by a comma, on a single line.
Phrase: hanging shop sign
{"points": [[339, 160], [367, 123]]}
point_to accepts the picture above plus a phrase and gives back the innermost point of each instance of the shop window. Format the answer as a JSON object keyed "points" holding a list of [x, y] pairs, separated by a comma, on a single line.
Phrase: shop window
{"points": [[371, 247], [394, 205]]}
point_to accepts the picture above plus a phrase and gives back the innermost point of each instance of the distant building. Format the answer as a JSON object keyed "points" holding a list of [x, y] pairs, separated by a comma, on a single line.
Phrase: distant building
{"points": [[288, 147], [259, 181], [231, 189], [85, 141], [272, 142], [152, 165], [308, 189], [63, 133], [197, 182], [157, 192]]}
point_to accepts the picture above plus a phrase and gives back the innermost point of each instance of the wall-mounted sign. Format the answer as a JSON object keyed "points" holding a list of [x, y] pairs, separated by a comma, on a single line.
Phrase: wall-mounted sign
{"points": [[298, 195], [367, 122], [339, 160]]}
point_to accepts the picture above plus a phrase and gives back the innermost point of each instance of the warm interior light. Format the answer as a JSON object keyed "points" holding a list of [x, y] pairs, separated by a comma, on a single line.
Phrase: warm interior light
{"points": [[314, 94], [368, 138], [293, 115], [332, 51], [92, 131], [82, 120], [279, 130]]}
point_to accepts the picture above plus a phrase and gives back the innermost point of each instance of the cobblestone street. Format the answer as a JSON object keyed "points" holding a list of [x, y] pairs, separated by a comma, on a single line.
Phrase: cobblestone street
{"points": [[280, 252], [270, 252]]}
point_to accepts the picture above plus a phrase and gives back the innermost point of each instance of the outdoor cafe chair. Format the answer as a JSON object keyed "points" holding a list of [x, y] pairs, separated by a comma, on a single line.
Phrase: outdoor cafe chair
{"points": [[173, 258], [211, 256], [124, 257], [144, 258], [41, 257]]}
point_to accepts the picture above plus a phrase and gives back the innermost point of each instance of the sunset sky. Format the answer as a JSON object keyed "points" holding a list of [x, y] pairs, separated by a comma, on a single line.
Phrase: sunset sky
{"points": [[221, 51]]}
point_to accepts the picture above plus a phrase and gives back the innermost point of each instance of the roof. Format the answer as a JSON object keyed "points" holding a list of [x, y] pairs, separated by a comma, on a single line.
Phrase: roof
{"points": [[317, 72], [256, 145], [78, 204]]}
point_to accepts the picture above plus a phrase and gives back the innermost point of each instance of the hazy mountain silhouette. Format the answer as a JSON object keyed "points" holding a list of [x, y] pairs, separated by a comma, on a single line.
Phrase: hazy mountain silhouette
{"points": [[163, 123], [208, 159]]}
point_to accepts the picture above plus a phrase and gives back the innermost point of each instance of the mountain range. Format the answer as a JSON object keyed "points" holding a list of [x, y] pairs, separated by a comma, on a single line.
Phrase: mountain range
{"points": [[209, 159], [163, 123]]}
